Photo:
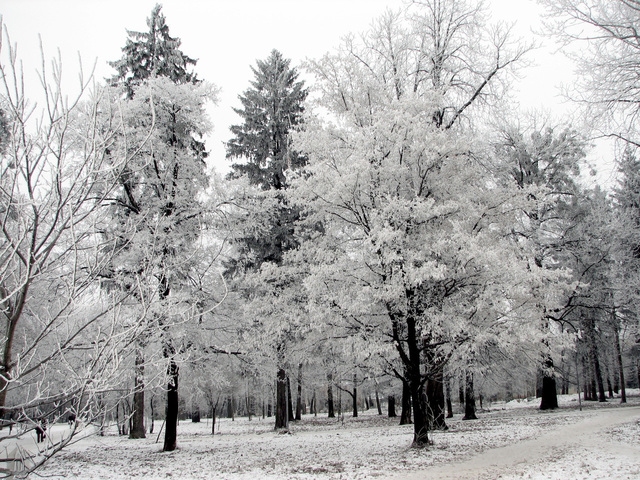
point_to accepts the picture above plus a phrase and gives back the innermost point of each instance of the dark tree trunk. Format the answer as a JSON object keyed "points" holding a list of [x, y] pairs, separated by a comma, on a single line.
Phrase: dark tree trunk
{"points": [[354, 395], [314, 404], [330, 405], [195, 415], [461, 390], [118, 418], [416, 385], [593, 350], [435, 401], [137, 421], [616, 341], [282, 416], [378, 402], [171, 422], [231, 411], [593, 390], [299, 396], [549, 395], [449, 404], [405, 412], [213, 420], [391, 406], [469, 398], [290, 401], [153, 414]]}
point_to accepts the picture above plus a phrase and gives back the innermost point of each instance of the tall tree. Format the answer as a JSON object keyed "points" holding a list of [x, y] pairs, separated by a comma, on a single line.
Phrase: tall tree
{"points": [[271, 108], [154, 52], [546, 164], [55, 179], [159, 194], [411, 226]]}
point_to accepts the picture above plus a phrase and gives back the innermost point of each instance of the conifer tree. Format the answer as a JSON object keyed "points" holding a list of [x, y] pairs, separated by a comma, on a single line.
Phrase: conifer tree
{"points": [[271, 108], [153, 52], [163, 183]]}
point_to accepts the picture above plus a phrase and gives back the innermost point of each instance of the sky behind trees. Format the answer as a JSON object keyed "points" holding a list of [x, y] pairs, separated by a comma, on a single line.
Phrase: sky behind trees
{"points": [[227, 37]]}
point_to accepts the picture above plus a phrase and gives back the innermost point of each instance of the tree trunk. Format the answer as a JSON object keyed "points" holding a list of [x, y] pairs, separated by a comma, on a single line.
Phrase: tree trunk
{"points": [[171, 422], [355, 395], [609, 386], [549, 395], [469, 399], [282, 416], [195, 415], [616, 341], [435, 400], [137, 420], [213, 420], [378, 402], [153, 414], [314, 404], [391, 406], [405, 412], [330, 405], [290, 410], [416, 385], [299, 396], [449, 404], [590, 330]]}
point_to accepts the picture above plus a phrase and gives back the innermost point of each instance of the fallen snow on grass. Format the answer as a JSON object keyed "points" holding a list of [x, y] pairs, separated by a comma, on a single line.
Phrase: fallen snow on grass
{"points": [[319, 448]]}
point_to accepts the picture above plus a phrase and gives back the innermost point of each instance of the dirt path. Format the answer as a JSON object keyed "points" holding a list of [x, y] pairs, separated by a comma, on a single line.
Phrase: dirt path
{"points": [[575, 449]]}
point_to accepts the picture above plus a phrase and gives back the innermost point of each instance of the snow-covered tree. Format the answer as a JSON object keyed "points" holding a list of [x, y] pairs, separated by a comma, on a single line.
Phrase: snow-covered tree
{"points": [[271, 108], [152, 53], [160, 200], [546, 163], [62, 338], [602, 37], [415, 231], [167, 179]]}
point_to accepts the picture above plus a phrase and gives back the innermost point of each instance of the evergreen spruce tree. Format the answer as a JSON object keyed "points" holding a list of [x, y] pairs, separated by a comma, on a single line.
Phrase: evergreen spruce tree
{"points": [[153, 52], [271, 108], [162, 183]]}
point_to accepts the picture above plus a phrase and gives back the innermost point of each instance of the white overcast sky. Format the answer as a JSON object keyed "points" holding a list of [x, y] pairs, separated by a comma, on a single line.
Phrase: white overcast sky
{"points": [[228, 36]]}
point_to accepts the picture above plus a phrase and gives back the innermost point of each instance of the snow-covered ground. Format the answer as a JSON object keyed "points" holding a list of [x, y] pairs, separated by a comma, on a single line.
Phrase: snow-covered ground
{"points": [[513, 440]]}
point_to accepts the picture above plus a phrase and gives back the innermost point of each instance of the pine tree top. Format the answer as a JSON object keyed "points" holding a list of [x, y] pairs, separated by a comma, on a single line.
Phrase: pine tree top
{"points": [[271, 107], [154, 52]]}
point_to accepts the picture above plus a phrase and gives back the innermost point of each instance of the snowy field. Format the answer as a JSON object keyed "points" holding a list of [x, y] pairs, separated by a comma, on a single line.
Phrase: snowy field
{"points": [[512, 440]]}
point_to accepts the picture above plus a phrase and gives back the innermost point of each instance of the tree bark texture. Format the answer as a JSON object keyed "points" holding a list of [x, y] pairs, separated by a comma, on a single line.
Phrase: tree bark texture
{"points": [[282, 417], [299, 396], [405, 412], [620, 376], [435, 400], [171, 423], [137, 420], [391, 406], [330, 405], [469, 398], [549, 395]]}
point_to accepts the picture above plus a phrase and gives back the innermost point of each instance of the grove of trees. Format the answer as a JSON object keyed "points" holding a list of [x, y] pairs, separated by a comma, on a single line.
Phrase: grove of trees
{"points": [[392, 227]]}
